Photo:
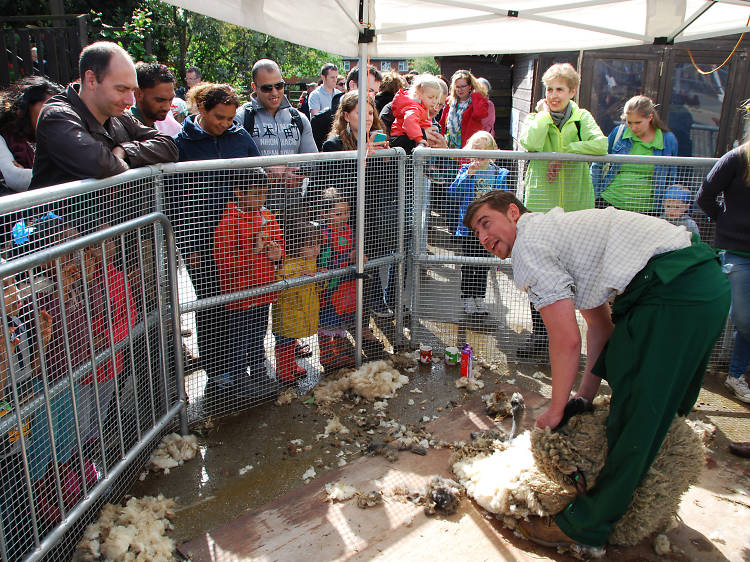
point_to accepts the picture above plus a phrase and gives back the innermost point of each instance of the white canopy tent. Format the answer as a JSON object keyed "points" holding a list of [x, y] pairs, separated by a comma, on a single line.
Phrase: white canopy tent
{"points": [[410, 28], [452, 27]]}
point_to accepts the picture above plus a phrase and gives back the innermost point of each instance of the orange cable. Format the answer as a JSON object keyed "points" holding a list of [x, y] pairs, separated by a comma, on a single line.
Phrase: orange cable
{"points": [[706, 72]]}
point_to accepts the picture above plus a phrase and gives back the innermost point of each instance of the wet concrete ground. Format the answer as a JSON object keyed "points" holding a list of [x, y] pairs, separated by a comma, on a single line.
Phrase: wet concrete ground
{"points": [[246, 461]]}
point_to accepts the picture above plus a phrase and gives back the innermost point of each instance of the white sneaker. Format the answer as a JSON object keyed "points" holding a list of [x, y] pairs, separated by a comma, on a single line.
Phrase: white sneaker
{"points": [[469, 307], [481, 306], [739, 387]]}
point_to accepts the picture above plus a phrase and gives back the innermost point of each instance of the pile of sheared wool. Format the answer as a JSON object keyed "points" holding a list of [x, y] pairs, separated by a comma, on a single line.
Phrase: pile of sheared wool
{"points": [[506, 482], [469, 383], [377, 379], [173, 451], [532, 475], [339, 492], [134, 532]]}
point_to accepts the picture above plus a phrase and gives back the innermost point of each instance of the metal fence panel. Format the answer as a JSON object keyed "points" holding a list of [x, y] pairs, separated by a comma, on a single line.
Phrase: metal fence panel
{"points": [[87, 343], [462, 295]]}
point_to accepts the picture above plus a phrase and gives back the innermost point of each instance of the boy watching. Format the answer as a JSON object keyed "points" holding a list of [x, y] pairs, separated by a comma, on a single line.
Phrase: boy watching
{"points": [[677, 201]]}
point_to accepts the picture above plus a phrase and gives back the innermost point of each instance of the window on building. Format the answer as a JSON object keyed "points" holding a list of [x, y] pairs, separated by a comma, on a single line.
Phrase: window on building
{"points": [[346, 64], [615, 81], [695, 108], [402, 66], [385, 65]]}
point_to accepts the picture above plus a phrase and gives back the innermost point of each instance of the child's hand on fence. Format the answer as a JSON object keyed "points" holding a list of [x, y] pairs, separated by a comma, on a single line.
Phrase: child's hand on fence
{"points": [[475, 165], [260, 243], [71, 273], [45, 327], [322, 270], [553, 169], [193, 260], [273, 251], [308, 272]]}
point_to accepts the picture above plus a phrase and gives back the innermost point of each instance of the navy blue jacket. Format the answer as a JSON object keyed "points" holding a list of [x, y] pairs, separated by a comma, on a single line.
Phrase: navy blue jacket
{"points": [[196, 201]]}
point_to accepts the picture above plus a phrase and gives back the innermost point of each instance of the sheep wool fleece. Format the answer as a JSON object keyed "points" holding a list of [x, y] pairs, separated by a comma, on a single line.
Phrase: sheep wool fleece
{"points": [[666, 323]]}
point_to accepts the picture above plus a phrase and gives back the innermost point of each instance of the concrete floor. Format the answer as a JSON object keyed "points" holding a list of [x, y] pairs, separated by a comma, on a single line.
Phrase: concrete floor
{"points": [[245, 461]]}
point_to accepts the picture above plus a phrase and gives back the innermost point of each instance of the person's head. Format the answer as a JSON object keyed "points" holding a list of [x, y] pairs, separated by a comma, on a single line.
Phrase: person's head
{"points": [[334, 208], [481, 140], [21, 103], [392, 82], [193, 76], [493, 217], [311, 86], [303, 240], [486, 84], [155, 91], [217, 104], [346, 119], [463, 83], [329, 72], [433, 111], [560, 82], [268, 85], [677, 200], [250, 193], [374, 79], [108, 79], [340, 83], [426, 88], [640, 115]]}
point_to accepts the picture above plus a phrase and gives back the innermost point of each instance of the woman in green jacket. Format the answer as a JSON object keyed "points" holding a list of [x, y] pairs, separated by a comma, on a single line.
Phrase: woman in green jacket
{"points": [[561, 126]]}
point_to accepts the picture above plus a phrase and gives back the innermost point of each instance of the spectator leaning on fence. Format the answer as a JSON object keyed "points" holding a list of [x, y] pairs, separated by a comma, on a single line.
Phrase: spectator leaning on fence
{"points": [[154, 96], [652, 346], [85, 132], [19, 111], [636, 187]]}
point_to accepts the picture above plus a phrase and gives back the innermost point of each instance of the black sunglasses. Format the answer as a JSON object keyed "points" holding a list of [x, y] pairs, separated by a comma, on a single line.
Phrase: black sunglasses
{"points": [[269, 87], [339, 83]]}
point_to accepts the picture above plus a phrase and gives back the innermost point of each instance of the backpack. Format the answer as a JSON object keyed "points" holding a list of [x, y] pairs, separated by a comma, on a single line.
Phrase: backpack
{"points": [[249, 121]]}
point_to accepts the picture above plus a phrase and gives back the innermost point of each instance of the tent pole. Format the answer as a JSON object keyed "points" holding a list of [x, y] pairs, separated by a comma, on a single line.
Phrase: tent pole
{"points": [[360, 215]]}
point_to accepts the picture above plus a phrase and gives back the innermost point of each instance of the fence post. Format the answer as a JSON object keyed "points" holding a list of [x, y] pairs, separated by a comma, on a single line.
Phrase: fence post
{"points": [[419, 187], [401, 222], [82, 23]]}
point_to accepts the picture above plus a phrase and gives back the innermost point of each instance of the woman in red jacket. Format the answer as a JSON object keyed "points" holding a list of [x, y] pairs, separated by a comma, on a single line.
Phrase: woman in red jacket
{"points": [[465, 109]]}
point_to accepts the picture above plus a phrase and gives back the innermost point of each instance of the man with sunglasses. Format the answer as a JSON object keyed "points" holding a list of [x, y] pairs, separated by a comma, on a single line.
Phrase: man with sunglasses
{"points": [[321, 97]]}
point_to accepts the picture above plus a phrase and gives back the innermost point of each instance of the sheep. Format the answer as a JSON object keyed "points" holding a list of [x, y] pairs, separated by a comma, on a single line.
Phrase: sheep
{"points": [[540, 473]]}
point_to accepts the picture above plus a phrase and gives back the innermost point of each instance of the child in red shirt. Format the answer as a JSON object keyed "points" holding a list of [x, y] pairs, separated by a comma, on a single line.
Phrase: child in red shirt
{"points": [[411, 111], [248, 245]]}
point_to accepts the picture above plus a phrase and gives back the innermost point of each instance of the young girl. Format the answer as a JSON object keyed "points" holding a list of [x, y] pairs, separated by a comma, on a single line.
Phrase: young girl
{"points": [[636, 187], [337, 251], [297, 313], [411, 112], [476, 178]]}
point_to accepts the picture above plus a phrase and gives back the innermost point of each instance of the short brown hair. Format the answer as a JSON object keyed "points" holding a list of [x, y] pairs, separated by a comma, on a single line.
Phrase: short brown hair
{"points": [[497, 199], [562, 71]]}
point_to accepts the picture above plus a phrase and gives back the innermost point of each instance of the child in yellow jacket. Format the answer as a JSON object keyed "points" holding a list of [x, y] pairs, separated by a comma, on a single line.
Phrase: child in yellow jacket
{"points": [[297, 312]]}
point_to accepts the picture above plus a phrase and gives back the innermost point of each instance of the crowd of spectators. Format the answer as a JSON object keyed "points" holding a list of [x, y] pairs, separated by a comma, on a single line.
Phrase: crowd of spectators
{"points": [[237, 232]]}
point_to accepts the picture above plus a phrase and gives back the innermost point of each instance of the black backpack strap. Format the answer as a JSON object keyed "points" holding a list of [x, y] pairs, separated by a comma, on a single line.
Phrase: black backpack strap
{"points": [[578, 127], [249, 121], [297, 119]]}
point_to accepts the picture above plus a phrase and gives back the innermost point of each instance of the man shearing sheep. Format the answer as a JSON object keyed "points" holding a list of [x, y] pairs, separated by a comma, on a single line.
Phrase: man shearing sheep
{"points": [[652, 344]]}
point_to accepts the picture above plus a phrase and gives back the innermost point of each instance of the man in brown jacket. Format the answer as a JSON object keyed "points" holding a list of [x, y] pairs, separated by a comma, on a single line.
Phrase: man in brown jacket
{"points": [[85, 132]]}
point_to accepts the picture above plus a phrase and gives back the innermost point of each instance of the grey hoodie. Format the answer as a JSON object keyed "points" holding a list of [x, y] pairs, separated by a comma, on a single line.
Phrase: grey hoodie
{"points": [[277, 135]]}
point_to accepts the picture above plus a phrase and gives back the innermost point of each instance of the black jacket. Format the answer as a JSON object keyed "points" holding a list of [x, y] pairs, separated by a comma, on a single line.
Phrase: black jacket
{"points": [[72, 145]]}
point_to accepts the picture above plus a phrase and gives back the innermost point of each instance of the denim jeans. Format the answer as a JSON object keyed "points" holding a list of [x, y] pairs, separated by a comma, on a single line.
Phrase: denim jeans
{"points": [[737, 269]]}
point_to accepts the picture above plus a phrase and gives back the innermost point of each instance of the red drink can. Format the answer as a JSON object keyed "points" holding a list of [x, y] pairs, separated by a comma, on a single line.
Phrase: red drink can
{"points": [[466, 358]]}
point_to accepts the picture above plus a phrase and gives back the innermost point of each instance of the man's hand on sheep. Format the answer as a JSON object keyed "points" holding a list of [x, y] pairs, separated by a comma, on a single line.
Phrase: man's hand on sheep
{"points": [[551, 418]]}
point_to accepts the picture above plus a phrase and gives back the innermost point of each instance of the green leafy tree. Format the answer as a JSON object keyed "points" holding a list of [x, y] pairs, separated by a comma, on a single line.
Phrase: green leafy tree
{"points": [[425, 64]]}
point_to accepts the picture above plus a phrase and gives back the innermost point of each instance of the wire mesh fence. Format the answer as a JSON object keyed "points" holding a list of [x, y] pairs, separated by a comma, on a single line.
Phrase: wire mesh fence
{"points": [[87, 359], [462, 295], [269, 284], [277, 287]]}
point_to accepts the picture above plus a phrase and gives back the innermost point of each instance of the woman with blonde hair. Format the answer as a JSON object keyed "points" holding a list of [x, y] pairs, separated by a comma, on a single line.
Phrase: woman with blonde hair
{"points": [[465, 109], [636, 187]]}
